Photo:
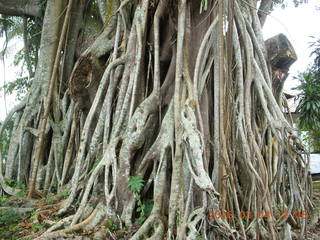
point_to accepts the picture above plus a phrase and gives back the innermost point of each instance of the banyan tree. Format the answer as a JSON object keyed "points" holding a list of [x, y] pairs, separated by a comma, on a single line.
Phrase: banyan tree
{"points": [[173, 105]]}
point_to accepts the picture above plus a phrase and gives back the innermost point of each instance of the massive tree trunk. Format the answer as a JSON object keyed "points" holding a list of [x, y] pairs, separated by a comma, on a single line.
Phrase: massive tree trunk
{"points": [[30, 8], [177, 93]]}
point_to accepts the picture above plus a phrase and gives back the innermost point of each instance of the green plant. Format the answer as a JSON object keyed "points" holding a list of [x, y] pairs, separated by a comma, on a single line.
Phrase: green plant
{"points": [[12, 27], [21, 193], [12, 183], [199, 237], [8, 217], [49, 198], [37, 227], [3, 201], [9, 182], [135, 184], [112, 226], [33, 216], [54, 187], [309, 105], [144, 208], [21, 186], [65, 193]]}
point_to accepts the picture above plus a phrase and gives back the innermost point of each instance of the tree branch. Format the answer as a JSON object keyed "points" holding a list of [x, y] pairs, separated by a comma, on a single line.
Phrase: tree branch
{"points": [[264, 9], [102, 8], [20, 8]]}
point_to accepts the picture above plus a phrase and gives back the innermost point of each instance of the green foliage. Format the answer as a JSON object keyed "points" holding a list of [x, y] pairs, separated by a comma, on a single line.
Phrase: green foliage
{"points": [[144, 207], [314, 139], [148, 205], [65, 193], [26, 59], [3, 201], [199, 237], [9, 221], [49, 199], [135, 184], [54, 187], [12, 183], [21, 194], [10, 27], [309, 106], [33, 217], [8, 217], [112, 226], [37, 227]]}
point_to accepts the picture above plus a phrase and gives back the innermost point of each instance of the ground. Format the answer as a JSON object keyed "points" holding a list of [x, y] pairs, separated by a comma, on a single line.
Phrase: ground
{"points": [[314, 231], [24, 219]]}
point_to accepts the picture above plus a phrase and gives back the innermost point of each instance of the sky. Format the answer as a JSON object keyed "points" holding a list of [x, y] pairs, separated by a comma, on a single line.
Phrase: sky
{"points": [[298, 24], [8, 73]]}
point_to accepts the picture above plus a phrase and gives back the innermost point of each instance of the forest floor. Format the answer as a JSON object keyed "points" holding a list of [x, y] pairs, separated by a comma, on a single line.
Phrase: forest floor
{"points": [[313, 232], [24, 219]]}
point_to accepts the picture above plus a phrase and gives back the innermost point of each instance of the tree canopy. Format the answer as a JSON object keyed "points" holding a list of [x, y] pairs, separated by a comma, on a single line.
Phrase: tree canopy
{"points": [[309, 106]]}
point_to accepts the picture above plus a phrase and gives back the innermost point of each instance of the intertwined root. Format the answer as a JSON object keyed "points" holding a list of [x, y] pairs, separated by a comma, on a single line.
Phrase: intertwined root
{"points": [[204, 132]]}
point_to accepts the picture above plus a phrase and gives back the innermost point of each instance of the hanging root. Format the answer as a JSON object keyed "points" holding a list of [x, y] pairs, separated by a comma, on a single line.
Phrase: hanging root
{"points": [[156, 221], [186, 103], [89, 223], [7, 189]]}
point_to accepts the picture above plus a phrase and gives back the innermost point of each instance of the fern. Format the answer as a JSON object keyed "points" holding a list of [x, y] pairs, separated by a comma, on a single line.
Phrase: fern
{"points": [[144, 208], [135, 184]]}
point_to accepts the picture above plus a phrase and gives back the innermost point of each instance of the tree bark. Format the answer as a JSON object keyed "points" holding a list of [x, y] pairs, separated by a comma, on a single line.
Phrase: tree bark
{"points": [[264, 10], [183, 116], [29, 8]]}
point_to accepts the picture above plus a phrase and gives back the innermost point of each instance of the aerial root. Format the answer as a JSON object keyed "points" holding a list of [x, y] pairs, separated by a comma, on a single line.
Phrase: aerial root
{"points": [[89, 223], [97, 214], [59, 224], [86, 130], [244, 153], [194, 150], [153, 222], [9, 190], [194, 219], [107, 159]]}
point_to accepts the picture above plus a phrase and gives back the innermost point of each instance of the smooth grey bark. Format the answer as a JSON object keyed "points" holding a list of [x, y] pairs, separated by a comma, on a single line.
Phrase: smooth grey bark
{"points": [[264, 9], [76, 22], [4, 186], [102, 8], [20, 8], [180, 137], [27, 47], [48, 47]]}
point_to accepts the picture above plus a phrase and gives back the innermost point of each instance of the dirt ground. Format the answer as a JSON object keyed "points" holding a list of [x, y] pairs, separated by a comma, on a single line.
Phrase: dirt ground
{"points": [[313, 228], [31, 224]]}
